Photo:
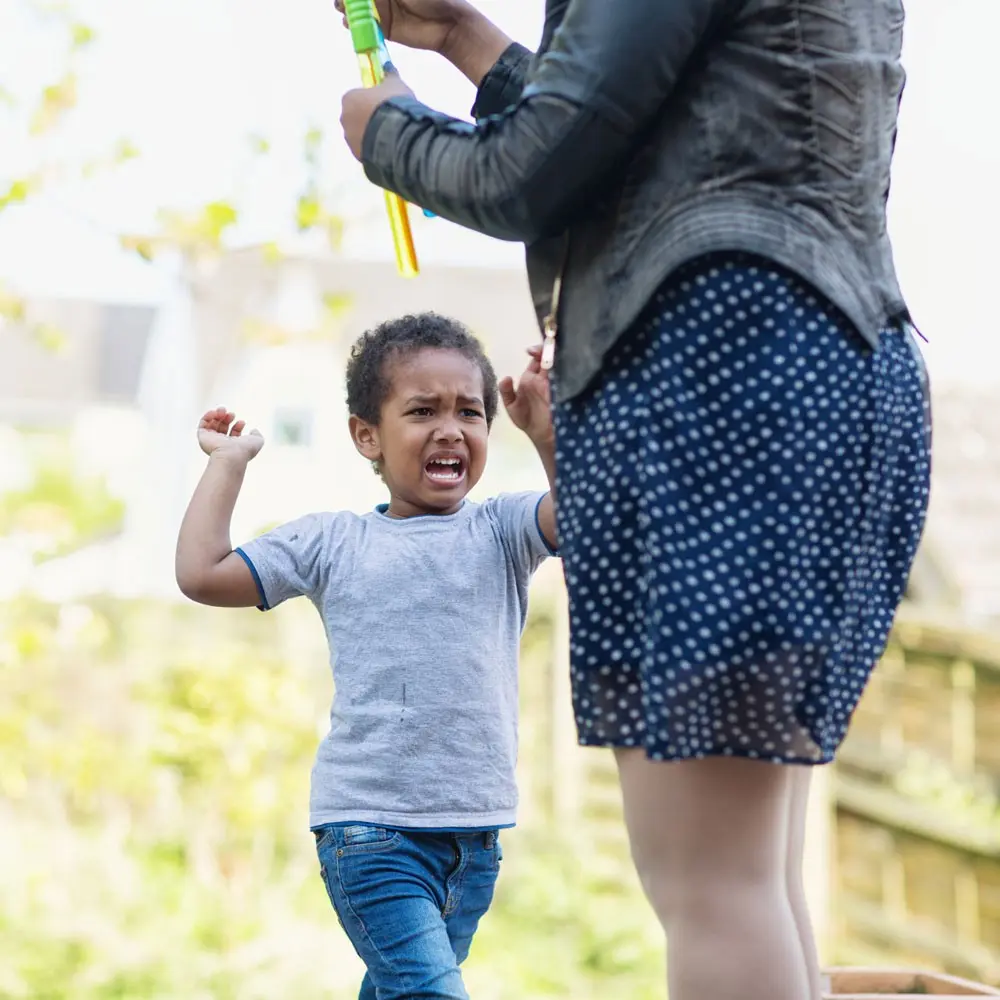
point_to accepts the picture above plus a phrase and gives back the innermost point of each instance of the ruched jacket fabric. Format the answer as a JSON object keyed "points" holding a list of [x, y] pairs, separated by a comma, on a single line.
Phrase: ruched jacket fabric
{"points": [[644, 133]]}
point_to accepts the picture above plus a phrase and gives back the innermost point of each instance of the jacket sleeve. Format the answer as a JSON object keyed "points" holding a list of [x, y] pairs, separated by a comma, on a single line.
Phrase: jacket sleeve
{"points": [[501, 88], [520, 175]]}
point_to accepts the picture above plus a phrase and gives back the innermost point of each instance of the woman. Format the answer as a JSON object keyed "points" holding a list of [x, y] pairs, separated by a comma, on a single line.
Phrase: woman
{"points": [[741, 410]]}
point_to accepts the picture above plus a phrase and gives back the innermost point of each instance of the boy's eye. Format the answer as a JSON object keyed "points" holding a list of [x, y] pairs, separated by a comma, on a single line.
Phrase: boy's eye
{"points": [[421, 411], [470, 411]]}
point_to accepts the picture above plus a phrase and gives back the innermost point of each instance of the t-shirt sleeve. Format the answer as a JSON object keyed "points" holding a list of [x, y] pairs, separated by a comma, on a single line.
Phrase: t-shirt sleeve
{"points": [[290, 561], [516, 516]]}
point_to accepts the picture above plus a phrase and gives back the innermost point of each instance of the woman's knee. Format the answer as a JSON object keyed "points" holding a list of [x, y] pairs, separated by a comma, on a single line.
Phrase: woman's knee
{"points": [[702, 831], [706, 894]]}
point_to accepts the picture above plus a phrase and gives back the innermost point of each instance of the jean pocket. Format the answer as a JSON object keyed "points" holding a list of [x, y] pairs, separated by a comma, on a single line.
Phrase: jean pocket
{"points": [[323, 835], [366, 839]]}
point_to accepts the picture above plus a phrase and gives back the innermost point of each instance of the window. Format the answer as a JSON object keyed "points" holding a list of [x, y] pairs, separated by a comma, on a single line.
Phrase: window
{"points": [[293, 428]]}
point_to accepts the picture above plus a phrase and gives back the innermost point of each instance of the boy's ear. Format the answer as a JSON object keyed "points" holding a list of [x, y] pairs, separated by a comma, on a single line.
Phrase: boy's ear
{"points": [[365, 438]]}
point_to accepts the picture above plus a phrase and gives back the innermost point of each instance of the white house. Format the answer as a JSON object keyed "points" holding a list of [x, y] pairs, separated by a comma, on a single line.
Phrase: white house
{"points": [[133, 380]]}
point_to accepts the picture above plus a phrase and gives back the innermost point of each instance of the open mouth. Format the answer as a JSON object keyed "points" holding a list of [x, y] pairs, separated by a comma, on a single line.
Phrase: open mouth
{"points": [[445, 470]]}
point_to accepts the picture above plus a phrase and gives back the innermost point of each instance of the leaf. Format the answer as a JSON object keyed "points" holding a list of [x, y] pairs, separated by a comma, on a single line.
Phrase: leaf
{"points": [[265, 333], [144, 246], [49, 336], [308, 212], [334, 230], [125, 150], [81, 35], [271, 253], [313, 145], [217, 217], [259, 144], [7, 99], [200, 231], [337, 304], [18, 192], [57, 99], [12, 306]]}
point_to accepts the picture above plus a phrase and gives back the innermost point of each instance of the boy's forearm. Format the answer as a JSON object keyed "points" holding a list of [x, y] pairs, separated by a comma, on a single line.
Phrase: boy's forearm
{"points": [[204, 541], [547, 454], [474, 46], [547, 509]]}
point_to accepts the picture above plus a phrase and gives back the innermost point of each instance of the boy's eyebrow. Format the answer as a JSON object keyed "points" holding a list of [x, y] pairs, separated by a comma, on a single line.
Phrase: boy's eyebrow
{"points": [[434, 398]]}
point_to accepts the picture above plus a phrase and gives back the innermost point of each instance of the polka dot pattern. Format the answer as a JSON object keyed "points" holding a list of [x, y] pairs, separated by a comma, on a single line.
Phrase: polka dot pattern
{"points": [[740, 500]]}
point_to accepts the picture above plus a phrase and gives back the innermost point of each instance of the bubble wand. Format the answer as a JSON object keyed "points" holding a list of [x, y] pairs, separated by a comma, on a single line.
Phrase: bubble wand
{"points": [[373, 58]]}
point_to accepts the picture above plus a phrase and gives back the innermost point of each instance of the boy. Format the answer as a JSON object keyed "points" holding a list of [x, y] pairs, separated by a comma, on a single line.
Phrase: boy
{"points": [[423, 600]]}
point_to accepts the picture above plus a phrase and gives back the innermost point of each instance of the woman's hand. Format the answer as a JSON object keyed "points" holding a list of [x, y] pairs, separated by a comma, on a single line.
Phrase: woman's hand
{"points": [[419, 24], [453, 28], [358, 106]]}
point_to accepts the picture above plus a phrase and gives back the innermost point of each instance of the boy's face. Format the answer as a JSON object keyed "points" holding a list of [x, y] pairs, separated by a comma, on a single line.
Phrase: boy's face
{"points": [[432, 438]]}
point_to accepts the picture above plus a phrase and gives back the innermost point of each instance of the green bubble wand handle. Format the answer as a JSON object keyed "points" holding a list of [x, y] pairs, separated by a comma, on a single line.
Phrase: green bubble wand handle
{"points": [[369, 45]]}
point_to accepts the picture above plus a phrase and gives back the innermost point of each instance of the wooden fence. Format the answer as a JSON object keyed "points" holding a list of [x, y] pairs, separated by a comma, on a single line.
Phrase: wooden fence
{"points": [[916, 794], [914, 843]]}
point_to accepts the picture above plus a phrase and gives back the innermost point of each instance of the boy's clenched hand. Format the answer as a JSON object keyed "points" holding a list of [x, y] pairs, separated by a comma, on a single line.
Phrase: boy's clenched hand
{"points": [[217, 432], [529, 403]]}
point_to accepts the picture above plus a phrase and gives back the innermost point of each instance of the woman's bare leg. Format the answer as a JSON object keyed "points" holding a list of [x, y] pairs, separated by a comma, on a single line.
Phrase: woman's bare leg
{"points": [[798, 809], [710, 842]]}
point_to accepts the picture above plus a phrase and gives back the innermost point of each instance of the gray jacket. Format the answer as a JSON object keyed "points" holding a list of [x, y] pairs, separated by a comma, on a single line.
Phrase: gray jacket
{"points": [[648, 132]]}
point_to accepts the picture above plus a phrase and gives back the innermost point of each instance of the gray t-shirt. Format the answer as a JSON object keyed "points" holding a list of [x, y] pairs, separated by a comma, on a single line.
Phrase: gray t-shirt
{"points": [[424, 618]]}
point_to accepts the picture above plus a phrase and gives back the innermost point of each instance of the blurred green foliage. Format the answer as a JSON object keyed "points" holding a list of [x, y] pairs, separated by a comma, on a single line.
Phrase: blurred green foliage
{"points": [[60, 509], [154, 769]]}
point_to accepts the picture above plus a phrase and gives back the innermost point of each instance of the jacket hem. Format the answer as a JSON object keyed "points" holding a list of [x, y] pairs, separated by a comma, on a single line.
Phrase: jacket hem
{"points": [[801, 241]]}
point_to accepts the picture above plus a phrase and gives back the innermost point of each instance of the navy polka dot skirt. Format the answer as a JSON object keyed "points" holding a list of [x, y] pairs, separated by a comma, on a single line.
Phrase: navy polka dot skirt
{"points": [[741, 494]]}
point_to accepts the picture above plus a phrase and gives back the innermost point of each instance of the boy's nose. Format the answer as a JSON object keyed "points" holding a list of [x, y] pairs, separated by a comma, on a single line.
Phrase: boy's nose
{"points": [[449, 430]]}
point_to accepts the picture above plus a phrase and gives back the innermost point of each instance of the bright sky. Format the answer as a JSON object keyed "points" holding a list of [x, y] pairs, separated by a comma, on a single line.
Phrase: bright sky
{"points": [[188, 80]]}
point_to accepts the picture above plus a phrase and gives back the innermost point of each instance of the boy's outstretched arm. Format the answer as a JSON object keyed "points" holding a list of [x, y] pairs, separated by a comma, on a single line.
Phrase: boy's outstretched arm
{"points": [[208, 570], [530, 408]]}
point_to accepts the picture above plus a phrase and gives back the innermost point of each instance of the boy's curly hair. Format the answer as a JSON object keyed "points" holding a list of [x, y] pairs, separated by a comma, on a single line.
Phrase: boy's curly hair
{"points": [[368, 381]]}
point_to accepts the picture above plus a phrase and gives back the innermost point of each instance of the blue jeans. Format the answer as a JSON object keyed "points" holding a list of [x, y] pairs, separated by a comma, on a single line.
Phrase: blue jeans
{"points": [[410, 902]]}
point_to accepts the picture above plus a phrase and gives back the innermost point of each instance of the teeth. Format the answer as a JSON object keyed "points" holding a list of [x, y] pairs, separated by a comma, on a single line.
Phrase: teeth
{"points": [[445, 468]]}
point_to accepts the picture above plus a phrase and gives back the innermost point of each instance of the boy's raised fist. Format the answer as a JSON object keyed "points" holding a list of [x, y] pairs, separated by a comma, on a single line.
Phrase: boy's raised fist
{"points": [[219, 429]]}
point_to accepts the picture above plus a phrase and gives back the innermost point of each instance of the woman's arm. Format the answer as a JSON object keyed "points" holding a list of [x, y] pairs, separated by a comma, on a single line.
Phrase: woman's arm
{"points": [[522, 175], [500, 88], [488, 59]]}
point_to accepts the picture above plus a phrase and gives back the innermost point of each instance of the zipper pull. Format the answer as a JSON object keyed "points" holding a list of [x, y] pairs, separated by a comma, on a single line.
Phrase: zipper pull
{"points": [[551, 322], [549, 343]]}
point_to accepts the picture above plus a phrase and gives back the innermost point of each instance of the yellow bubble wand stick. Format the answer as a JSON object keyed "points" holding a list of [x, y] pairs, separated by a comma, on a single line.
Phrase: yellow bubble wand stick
{"points": [[369, 45]]}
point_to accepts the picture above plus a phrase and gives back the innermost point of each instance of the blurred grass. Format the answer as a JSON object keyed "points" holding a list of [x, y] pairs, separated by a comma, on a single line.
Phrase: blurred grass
{"points": [[154, 768]]}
